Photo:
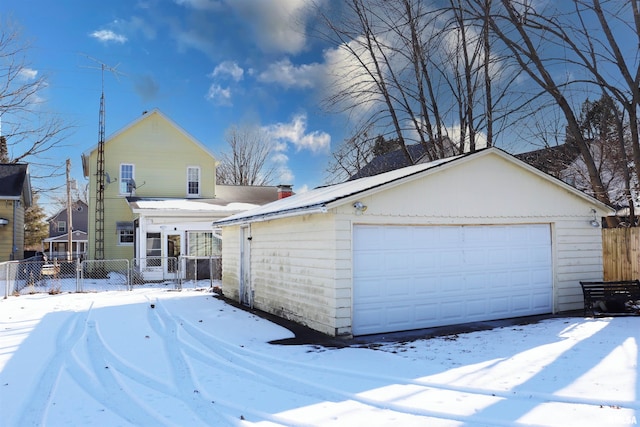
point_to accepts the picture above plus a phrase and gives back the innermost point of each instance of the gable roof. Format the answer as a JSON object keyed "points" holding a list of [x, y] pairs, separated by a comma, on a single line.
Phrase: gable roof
{"points": [[320, 199], [64, 209], [87, 153], [14, 181]]}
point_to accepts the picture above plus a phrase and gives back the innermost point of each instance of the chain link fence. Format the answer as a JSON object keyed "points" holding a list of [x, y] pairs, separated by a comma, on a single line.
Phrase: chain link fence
{"points": [[104, 275], [199, 270], [36, 275]]}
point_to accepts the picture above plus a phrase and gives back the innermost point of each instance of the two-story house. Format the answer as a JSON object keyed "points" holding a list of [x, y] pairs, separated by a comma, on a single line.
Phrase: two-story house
{"points": [[56, 245], [160, 196], [15, 197]]}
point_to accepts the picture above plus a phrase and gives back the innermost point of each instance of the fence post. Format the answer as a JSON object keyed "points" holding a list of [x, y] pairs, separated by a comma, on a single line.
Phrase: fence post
{"points": [[6, 282]]}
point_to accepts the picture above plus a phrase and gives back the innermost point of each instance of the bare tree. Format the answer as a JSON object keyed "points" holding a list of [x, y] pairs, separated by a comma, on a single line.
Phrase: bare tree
{"points": [[572, 50], [247, 161], [30, 132], [420, 74], [352, 155]]}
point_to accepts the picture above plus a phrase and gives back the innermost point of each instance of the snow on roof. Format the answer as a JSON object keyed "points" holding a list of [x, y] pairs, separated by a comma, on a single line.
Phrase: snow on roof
{"points": [[318, 198], [183, 205]]}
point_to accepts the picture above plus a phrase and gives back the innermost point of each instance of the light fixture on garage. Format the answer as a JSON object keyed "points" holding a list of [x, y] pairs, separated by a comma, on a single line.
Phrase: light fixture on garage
{"points": [[359, 207], [594, 222], [4, 221]]}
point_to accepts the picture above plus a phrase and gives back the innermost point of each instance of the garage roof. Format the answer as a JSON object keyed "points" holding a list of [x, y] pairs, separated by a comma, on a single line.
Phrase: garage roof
{"points": [[322, 198]]}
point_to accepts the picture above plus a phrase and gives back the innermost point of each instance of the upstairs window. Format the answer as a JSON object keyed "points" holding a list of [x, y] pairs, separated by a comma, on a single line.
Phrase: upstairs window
{"points": [[193, 181], [62, 226], [127, 184]]}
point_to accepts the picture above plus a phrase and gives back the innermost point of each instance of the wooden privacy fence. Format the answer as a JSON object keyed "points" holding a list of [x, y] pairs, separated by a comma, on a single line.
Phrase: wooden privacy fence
{"points": [[621, 253]]}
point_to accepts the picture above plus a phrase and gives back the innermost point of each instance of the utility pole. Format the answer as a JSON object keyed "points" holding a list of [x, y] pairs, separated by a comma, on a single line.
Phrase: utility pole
{"points": [[69, 216]]}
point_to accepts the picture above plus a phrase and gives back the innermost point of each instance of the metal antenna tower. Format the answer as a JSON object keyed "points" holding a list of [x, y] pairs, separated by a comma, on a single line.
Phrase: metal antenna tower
{"points": [[100, 173]]}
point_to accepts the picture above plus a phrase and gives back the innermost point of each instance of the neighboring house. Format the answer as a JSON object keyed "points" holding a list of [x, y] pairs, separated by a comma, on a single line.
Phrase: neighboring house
{"points": [[392, 160], [15, 197], [160, 195], [55, 246], [397, 159], [565, 163], [469, 238]]}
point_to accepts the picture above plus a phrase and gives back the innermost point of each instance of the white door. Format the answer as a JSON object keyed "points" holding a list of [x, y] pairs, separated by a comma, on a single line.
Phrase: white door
{"points": [[411, 277]]}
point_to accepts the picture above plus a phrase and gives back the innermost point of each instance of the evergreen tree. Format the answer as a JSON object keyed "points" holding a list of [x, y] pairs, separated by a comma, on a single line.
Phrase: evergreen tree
{"points": [[36, 228]]}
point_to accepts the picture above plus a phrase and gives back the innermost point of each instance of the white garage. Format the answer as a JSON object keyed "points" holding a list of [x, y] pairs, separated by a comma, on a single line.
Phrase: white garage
{"points": [[411, 277], [475, 237]]}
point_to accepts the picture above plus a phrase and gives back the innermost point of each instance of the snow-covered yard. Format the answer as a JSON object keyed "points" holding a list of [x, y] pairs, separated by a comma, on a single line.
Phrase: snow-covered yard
{"points": [[155, 357]]}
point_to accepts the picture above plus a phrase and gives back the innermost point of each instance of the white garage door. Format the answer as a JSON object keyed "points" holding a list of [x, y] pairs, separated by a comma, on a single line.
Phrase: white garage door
{"points": [[411, 277]]}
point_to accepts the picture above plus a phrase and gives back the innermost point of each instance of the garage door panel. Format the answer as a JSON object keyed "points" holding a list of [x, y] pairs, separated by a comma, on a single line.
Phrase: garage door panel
{"points": [[428, 276]]}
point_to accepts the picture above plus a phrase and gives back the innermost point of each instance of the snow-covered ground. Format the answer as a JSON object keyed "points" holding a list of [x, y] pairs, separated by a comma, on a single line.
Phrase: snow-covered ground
{"points": [[157, 357]]}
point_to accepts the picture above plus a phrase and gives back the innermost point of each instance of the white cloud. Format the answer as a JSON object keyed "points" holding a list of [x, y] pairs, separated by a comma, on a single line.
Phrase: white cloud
{"points": [[295, 133], [193, 39], [219, 95], [200, 4], [230, 68], [279, 25], [27, 74], [107, 36], [288, 75], [345, 74]]}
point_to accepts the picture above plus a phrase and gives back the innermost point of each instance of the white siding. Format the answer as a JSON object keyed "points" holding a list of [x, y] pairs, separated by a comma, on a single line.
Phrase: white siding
{"points": [[293, 267], [302, 266]]}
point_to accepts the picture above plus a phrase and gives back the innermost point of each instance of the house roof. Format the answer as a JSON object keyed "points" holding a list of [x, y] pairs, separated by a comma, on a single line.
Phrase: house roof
{"points": [[14, 181], [86, 154], [551, 160], [229, 199], [392, 160], [322, 198]]}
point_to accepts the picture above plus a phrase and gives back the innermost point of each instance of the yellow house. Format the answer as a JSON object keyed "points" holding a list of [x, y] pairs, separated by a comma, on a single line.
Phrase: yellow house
{"points": [[15, 197], [160, 194]]}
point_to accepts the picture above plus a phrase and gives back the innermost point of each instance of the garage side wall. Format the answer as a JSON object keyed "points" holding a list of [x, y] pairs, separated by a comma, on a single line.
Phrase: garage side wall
{"points": [[293, 270]]}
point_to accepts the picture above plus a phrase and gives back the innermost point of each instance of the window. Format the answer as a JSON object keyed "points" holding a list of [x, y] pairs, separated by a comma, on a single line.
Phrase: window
{"points": [[154, 249], [62, 226], [127, 184], [204, 243], [125, 233], [193, 181]]}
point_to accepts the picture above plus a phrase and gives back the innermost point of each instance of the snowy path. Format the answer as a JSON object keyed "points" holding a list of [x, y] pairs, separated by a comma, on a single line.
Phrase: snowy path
{"points": [[161, 358]]}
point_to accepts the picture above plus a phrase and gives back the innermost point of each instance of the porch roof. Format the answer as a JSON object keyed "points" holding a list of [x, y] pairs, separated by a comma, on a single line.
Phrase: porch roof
{"points": [[76, 236], [186, 207]]}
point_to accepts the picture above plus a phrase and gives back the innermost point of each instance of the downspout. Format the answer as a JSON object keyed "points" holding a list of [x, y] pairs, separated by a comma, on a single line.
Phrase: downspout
{"points": [[14, 248]]}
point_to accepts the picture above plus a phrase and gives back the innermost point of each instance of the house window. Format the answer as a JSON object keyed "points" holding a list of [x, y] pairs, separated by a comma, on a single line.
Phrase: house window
{"points": [[62, 226], [125, 233], [154, 249], [204, 243], [127, 184], [193, 181]]}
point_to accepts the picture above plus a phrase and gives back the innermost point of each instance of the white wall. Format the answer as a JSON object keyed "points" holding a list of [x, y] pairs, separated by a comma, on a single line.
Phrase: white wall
{"points": [[301, 267]]}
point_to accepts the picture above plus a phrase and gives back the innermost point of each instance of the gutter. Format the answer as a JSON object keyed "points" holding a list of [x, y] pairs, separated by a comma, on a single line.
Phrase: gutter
{"points": [[273, 215]]}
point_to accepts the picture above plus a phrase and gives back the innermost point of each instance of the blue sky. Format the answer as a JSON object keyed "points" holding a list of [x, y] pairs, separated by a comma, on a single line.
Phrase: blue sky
{"points": [[206, 64]]}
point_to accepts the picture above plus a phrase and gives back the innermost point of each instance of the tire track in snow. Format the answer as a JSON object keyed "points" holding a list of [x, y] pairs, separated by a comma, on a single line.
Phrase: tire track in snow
{"points": [[246, 358], [183, 376], [39, 399], [215, 360]]}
